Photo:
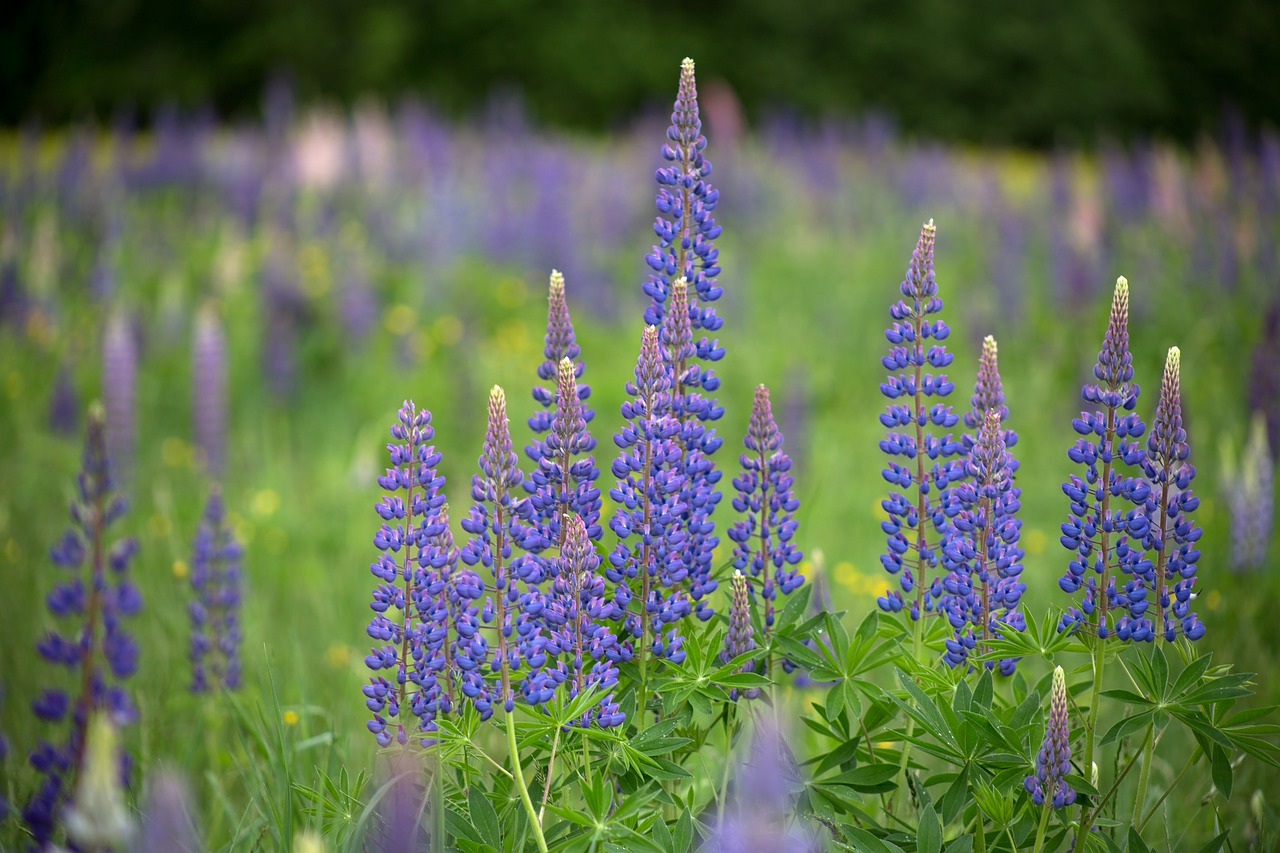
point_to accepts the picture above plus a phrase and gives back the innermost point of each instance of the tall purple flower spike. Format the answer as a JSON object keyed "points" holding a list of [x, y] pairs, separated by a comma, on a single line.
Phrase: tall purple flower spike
{"points": [[1250, 493], [691, 409], [983, 587], [740, 639], [561, 440], [98, 651], [650, 498], [1053, 761], [988, 393], [409, 540], [928, 470], [209, 390], [119, 392], [495, 526], [1172, 535], [763, 540], [215, 606], [1103, 534]]}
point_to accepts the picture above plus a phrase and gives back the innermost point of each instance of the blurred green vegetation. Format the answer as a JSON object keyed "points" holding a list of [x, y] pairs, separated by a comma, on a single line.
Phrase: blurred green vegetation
{"points": [[1007, 71]]}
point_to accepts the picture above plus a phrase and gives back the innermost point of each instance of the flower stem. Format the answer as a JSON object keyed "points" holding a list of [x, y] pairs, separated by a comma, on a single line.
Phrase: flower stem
{"points": [[546, 788], [518, 775], [1191, 759], [1044, 825], [1144, 776]]}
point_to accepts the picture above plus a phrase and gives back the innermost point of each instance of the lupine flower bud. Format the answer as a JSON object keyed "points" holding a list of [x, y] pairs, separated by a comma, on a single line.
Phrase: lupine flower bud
{"points": [[765, 496], [97, 816], [209, 390], [412, 524], [1101, 532], [1250, 493], [98, 651], [651, 503], [119, 391], [983, 588], [1053, 762], [740, 638], [1171, 533], [215, 606], [911, 553]]}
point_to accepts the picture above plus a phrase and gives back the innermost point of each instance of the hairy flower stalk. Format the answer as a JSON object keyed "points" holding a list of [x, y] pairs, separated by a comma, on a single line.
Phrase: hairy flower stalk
{"points": [[577, 614], [740, 639], [912, 552], [98, 651], [764, 538], [119, 392], [1172, 534], [1048, 785], [209, 389], [1102, 534], [686, 231], [409, 540], [983, 588], [564, 475], [649, 495], [215, 606]]}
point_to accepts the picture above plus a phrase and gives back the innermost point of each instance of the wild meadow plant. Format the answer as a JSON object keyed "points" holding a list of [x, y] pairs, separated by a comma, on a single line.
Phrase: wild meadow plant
{"points": [[576, 676]]}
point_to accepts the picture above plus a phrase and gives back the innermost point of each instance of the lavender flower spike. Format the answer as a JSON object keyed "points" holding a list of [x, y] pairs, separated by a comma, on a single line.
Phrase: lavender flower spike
{"points": [[1172, 535], [765, 496], [911, 551], [98, 650], [410, 523], [215, 608], [740, 639], [988, 393], [1101, 534], [1250, 491], [119, 391], [209, 387], [1053, 762]]}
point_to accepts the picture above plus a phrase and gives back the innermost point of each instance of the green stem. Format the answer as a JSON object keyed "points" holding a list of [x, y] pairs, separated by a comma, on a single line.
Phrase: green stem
{"points": [[1099, 660], [917, 645], [1144, 775], [1044, 826], [546, 788], [1191, 759], [1087, 817], [518, 775]]}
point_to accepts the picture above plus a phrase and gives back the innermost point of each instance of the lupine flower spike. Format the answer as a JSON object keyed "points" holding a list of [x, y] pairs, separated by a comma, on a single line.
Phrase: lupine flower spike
{"points": [[495, 526], [209, 385], [650, 505], [912, 551], [561, 481], [215, 607], [411, 524], [765, 496], [741, 638], [119, 391], [1053, 762], [988, 393], [1251, 496], [99, 651], [1101, 532], [983, 588], [1172, 533]]}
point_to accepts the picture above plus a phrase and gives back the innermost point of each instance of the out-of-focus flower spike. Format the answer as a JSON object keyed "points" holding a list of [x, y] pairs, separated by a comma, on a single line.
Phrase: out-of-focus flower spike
{"points": [[64, 407], [215, 607], [1250, 490], [97, 817], [209, 389], [119, 391], [166, 824]]}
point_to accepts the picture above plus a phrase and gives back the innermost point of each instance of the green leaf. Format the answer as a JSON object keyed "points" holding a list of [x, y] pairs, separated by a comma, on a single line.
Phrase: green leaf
{"points": [[930, 837], [1201, 725], [984, 692], [870, 778], [963, 844], [795, 607], [868, 627], [484, 818], [1192, 674], [1216, 844], [683, 833], [1136, 844], [865, 842], [662, 835], [954, 799], [1127, 726], [1082, 785], [1222, 773], [1159, 669], [1127, 696]]}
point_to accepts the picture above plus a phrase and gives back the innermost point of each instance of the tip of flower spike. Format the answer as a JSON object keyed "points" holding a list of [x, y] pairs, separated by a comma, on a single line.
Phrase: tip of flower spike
{"points": [[1173, 362], [686, 65], [989, 345], [680, 286], [97, 413], [1120, 301], [557, 284], [497, 396], [1059, 680]]}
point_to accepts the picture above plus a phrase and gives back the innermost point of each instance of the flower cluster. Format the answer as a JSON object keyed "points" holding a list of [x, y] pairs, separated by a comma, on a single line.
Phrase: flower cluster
{"points": [[1053, 762], [983, 587], [98, 650], [1250, 490], [215, 607], [1104, 529], [763, 538], [912, 552], [411, 523], [564, 473], [1171, 533], [741, 638]]}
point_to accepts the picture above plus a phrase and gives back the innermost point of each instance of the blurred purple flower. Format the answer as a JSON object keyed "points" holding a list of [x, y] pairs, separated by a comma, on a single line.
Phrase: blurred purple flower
{"points": [[119, 391], [209, 390], [216, 584]]}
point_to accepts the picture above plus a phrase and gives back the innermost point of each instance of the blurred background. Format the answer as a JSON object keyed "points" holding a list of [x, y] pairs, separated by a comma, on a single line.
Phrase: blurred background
{"points": [[344, 205]]}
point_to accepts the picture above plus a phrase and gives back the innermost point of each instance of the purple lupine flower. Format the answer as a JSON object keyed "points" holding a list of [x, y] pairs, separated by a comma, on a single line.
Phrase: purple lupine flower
{"points": [[119, 391], [64, 408], [495, 526], [1264, 374], [740, 639], [983, 588], [397, 824], [100, 653], [766, 782], [166, 825], [912, 552], [283, 309], [209, 390], [215, 605], [1102, 534], [763, 539], [1251, 497], [410, 520], [650, 496], [691, 409], [436, 604], [577, 614], [1171, 533], [988, 393], [559, 343], [1053, 762], [564, 479]]}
